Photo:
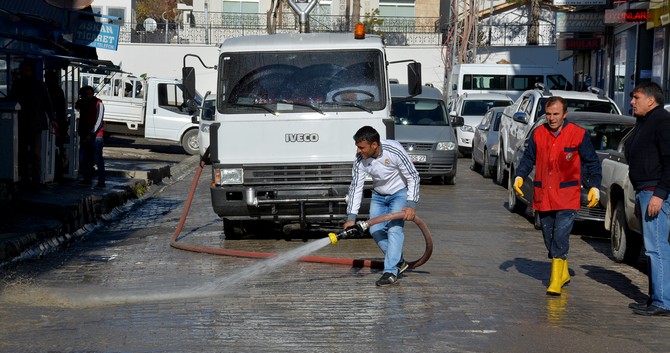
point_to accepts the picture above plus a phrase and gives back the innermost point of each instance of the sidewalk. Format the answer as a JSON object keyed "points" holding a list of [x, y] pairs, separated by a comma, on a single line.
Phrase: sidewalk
{"points": [[38, 222]]}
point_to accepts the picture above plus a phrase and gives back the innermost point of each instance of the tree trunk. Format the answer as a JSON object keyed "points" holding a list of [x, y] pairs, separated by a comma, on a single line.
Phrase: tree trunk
{"points": [[533, 22], [356, 11]]}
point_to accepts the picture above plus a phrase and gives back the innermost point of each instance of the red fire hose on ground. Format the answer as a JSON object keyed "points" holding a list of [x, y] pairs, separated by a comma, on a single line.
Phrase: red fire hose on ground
{"points": [[319, 259]]}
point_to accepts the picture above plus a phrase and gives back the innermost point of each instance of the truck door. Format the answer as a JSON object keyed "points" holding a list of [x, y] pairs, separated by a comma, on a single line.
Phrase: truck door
{"points": [[167, 117]]}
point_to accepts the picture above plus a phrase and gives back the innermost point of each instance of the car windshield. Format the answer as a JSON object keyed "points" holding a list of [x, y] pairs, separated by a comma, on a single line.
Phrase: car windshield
{"points": [[317, 81], [419, 112], [582, 105], [480, 107]]}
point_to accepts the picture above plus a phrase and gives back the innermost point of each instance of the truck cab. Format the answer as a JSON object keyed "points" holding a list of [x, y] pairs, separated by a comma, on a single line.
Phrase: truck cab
{"points": [[287, 107]]}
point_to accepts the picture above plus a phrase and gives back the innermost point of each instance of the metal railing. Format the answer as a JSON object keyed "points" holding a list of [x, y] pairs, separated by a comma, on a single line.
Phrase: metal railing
{"points": [[397, 31]]}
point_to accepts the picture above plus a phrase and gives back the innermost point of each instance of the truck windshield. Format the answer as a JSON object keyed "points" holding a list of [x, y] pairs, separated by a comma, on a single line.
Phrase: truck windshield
{"points": [[319, 81]]}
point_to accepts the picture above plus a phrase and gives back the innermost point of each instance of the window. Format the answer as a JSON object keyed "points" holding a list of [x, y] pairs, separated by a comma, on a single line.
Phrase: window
{"points": [[396, 8], [484, 82], [524, 82], [240, 14], [119, 12], [170, 97], [4, 73]]}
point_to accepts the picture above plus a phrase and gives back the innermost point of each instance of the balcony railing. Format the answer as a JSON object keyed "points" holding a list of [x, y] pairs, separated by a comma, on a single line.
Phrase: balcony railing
{"points": [[397, 31]]}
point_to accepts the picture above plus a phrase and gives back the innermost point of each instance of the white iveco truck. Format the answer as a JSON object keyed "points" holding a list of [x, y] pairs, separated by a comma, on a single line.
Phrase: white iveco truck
{"points": [[287, 107]]}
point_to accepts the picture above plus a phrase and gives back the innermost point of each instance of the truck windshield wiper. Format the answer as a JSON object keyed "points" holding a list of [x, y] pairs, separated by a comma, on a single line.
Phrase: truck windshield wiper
{"points": [[302, 105], [349, 104], [255, 106]]}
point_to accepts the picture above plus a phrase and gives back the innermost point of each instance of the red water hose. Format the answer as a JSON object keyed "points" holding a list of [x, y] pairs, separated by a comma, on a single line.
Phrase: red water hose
{"points": [[331, 260]]}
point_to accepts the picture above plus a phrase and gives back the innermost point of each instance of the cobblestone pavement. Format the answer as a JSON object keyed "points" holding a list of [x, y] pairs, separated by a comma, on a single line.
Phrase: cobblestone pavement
{"points": [[124, 289]]}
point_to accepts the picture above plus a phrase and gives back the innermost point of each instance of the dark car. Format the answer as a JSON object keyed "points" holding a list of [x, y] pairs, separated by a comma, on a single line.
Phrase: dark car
{"points": [[485, 143], [606, 132]]}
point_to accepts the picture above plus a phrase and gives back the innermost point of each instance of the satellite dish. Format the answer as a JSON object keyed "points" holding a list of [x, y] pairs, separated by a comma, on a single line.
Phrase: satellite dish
{"points": [[150, 24]]}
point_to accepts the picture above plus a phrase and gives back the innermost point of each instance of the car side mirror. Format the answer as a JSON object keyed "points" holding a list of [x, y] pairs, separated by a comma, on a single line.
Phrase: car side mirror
{"points": [[457, 121], [452, 113], [520, 117]]}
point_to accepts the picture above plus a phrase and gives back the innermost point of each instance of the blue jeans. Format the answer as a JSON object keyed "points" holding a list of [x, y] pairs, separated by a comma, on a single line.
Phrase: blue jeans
{"points": [[99, 161], [556, 228], [389, 235], [655, 234], [90, 154]]}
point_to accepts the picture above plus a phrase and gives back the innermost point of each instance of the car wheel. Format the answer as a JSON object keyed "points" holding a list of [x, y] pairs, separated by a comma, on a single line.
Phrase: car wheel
{"points": [[625, 245], [473, 164], [190, 142], [500, 171], [536, 222], [513, 204], [486, 168]]}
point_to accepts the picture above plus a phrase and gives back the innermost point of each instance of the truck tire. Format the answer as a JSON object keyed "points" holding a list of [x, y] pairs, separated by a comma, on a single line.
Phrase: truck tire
{"points": [[190, 142], [513, 203], [231, 229], [500, 170], [625, 244], [486, 168]]}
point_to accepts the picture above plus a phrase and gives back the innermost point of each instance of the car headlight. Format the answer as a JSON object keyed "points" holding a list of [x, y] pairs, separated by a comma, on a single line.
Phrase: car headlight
{"points": [[467, 128], [446, 146], [229, 176]]}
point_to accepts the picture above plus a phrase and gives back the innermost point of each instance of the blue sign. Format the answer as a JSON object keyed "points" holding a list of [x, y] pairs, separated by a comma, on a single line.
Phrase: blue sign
{"points": [[96, 34]]}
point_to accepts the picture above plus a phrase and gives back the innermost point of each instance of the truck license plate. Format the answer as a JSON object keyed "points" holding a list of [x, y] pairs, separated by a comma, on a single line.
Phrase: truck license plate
{"points": [[418, 158]]}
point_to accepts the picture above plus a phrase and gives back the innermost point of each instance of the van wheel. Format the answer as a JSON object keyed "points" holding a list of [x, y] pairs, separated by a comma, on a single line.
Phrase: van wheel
{"points": [[625, 245], [190, 142], [513, 203], [486, 168]]}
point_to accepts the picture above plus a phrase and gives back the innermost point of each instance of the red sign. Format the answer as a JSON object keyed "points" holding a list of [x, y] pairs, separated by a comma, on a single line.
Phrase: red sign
{"points": [[616, 16], [578, 44]]}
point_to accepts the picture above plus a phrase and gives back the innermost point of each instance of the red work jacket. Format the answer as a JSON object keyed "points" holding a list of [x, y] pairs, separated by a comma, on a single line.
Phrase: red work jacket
{"points": [[557, 168]]}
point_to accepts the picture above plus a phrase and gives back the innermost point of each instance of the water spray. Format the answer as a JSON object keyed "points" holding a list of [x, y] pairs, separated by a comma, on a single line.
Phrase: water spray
{"points": [[358, 230]]}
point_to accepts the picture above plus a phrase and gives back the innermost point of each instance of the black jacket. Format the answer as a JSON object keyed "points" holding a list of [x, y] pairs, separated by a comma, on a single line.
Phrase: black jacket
{"points": [[648, 152]]}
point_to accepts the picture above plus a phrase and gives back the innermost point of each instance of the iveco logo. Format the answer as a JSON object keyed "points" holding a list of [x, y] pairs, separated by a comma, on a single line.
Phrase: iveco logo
{"points": [[302, 137], [410, 147]]}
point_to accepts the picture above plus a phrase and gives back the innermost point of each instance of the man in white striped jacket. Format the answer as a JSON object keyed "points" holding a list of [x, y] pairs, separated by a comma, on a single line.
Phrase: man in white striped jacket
{"points": [[395, 189]]}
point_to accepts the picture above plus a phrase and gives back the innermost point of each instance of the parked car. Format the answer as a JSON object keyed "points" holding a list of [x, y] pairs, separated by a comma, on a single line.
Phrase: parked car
{"points": [[424, 130], [472, 107], [485, 143], [606, 132]]}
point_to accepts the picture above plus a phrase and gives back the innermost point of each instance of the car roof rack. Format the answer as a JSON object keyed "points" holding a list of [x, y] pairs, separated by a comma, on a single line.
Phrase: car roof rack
{"points": [[540, 86], [597, 91]]}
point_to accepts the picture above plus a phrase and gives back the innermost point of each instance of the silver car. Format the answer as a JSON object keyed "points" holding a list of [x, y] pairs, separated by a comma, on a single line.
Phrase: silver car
{"points": [[485, 143], [423, 128]]}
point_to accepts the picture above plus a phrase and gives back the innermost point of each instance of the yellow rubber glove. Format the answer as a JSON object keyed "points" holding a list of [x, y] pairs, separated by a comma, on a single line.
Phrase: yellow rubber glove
{"points": [[594, 197], [518, 181]]}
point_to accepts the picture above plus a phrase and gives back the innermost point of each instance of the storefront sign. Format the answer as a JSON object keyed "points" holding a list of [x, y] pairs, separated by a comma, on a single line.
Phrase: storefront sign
{"points": [[579, 2], [573, 22], [96, 34], [578, 43], [616, 16]]}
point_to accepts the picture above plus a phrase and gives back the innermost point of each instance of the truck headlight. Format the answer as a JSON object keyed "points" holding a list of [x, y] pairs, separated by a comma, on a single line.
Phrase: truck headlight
{"points": [[229, 176], [445, 146], [467, 128]]}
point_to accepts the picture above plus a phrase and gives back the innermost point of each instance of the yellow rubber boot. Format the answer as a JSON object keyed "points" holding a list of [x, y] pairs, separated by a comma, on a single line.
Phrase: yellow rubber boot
{"points": [[566, 274], [556, 281]]}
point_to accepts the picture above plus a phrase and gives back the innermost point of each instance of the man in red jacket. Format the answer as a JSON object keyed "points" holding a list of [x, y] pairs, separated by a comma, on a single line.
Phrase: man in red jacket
{"points": [[559, 149]]}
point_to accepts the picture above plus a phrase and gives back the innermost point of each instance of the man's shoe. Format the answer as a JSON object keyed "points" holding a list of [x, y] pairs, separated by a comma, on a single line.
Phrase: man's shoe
{"points": [[402, 266], [387, 278], [652, 310], [638, 306]]}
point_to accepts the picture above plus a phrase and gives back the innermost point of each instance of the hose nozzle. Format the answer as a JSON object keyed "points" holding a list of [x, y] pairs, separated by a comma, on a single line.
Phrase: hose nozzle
{"points": [[355, 231]]}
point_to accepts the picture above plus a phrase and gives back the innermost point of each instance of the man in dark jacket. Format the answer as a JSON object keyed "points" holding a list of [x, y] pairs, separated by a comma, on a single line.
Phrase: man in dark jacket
{"points": [[91, 133], [648, 154]]}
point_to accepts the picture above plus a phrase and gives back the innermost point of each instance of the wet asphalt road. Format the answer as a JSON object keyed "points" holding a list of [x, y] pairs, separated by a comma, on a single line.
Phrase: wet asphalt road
{"points": [[124, 289]]}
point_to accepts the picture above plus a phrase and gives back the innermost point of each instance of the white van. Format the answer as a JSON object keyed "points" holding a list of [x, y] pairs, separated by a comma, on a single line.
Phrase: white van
{"points": [[508, 79]]}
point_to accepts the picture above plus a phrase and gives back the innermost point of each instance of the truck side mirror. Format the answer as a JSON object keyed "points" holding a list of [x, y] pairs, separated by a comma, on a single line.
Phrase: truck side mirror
{"points": [[188, 80], [414, 78]]}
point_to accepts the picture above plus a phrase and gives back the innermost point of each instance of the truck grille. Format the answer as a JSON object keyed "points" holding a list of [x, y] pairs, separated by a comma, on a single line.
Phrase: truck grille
{"points": [[291, 174], [417, 147]]}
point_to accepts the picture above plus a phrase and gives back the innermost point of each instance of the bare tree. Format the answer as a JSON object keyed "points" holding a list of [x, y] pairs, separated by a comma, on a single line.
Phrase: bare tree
{"points": [[534, 9]]}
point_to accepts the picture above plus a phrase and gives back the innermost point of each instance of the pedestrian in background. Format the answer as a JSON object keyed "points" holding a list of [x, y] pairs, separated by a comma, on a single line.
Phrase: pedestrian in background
{"points": [[35, 116], [559, 150], [647, 151], [57, 96], [395, 184], [91, 132]]}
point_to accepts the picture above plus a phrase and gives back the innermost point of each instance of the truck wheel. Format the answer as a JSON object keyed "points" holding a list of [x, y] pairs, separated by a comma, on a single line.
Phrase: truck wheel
{"points": [[450, 180], [625, 244], [486, 168], [229, 230], [513, 204], [500, 171], [190, 142]]}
